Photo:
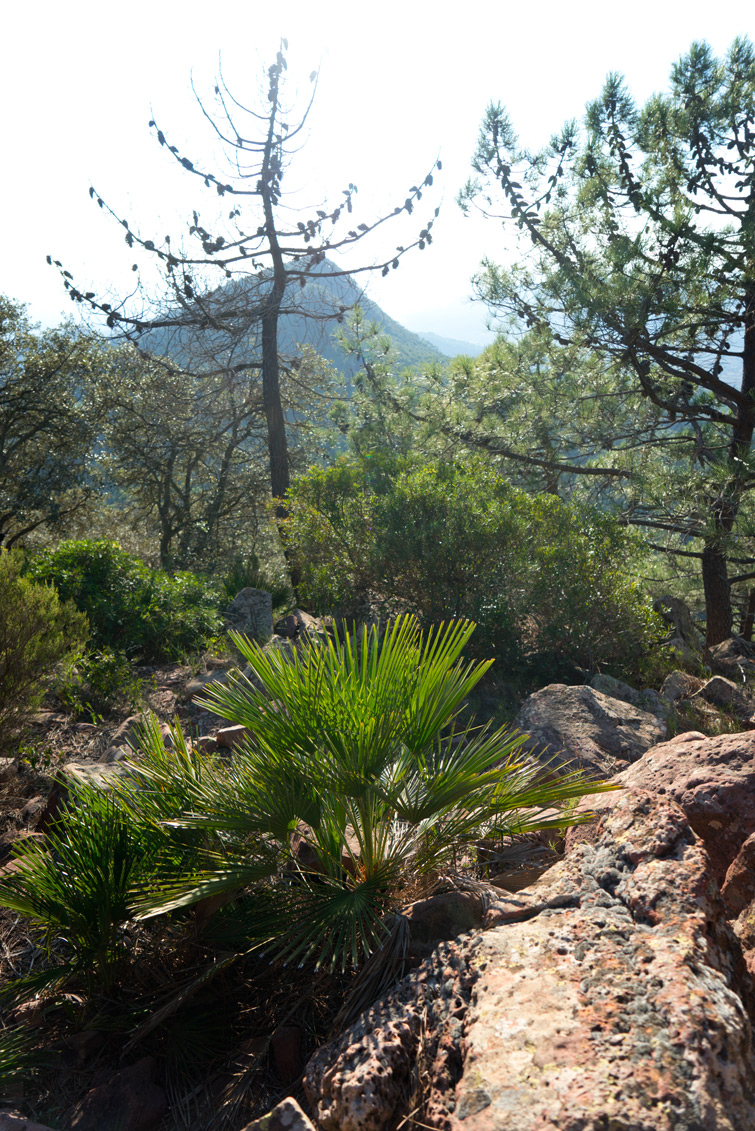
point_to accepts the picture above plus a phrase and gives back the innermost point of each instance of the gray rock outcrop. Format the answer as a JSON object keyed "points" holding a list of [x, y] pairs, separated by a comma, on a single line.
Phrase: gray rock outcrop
{"points": [[251, 613], [571, 728]]}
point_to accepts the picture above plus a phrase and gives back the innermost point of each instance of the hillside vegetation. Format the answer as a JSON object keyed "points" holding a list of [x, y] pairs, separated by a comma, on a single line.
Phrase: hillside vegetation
{"points": [[439, 537]]}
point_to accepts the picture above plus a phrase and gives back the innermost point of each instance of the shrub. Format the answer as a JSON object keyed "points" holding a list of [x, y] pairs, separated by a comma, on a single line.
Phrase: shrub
{"points": [[549, 584], [37, 632], [356, 747], [100, 682], [80, 884], [133, 609]]}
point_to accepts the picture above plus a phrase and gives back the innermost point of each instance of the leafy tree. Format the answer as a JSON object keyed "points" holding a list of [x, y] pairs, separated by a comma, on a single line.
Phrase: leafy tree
{"points": [[46, 422], [549, 584], [262, 258], [184, 455], [642, 228]]}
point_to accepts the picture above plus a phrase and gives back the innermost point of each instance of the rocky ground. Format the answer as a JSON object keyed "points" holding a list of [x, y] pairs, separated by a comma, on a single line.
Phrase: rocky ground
{"points": [[601, 982]]}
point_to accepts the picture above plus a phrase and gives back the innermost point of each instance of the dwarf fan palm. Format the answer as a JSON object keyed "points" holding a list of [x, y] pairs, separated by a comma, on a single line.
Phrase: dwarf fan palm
{"points": [[357, 749]]}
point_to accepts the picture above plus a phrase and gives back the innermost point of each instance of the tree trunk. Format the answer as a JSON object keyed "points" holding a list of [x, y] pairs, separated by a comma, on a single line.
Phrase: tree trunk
{"points": [[749, 617], [715, 575], [718, 614]]}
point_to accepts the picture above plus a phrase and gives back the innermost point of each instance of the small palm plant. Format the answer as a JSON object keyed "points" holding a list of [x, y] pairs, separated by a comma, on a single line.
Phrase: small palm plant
{"points": [[355, 749]]}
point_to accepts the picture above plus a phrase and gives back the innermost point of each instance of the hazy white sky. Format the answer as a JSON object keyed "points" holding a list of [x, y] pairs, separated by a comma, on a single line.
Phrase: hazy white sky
{"points": [[399, 83]]}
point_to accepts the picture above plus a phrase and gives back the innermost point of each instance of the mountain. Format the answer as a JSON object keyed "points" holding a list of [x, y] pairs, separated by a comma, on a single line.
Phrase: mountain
{"points": [[452, 347], [312, 315]]}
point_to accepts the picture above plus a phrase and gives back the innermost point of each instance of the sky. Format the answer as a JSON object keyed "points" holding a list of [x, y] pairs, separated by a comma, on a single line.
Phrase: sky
{"points": [[399, 85]]}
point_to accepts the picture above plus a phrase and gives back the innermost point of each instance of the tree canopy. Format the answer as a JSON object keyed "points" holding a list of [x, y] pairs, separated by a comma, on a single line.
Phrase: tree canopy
{"points": [[230, 281], [641, 225], [46, 422]]}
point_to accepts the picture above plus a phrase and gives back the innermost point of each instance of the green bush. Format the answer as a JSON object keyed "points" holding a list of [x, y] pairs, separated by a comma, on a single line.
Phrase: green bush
{"points": [[357, 747], [549, 585], [37, 632], [78, 886], [99, 682], [142, 612]]}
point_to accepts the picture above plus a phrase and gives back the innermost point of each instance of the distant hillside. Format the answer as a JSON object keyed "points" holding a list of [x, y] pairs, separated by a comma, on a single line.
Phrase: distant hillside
{"points": [[309, 318], [452, 347]]}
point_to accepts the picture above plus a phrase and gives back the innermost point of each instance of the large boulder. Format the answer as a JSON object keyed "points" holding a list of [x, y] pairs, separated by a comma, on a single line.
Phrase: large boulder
{"points": [[579, 728], [734, 658], [612, 994], [365, 1078], [629, 1008], [711, 779], [251, 613]]}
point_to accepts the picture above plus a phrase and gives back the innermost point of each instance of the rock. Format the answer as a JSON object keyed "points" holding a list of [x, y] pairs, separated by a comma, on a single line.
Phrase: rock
{"points": [[646, 700], [722, 692], [115, 754], [83, 1046], [363, 1080], [129, 1100], [614, 995], [738, 889], [626, 1008], [251, 613], [685, 639], [12, 1121], [734, 658], [680, 685], [206, 743], [231, 736], [8, 770], [305, 853], [571, 728], [287, 626], [202, 683], [286, 1046], [127, 734], [711, 779], [287, 1116], [744, 929], [442, 917]]}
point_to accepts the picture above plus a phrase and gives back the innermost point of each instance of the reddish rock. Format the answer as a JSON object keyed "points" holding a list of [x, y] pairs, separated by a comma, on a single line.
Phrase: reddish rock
{"points": [[680, 685], [738, 888], [711, 779], [744, 929], [286, 1116], [128, 1100], [362, 1081], [630, 1008], [442, 917], [613, 995], [734, 658], [232, 736]]}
